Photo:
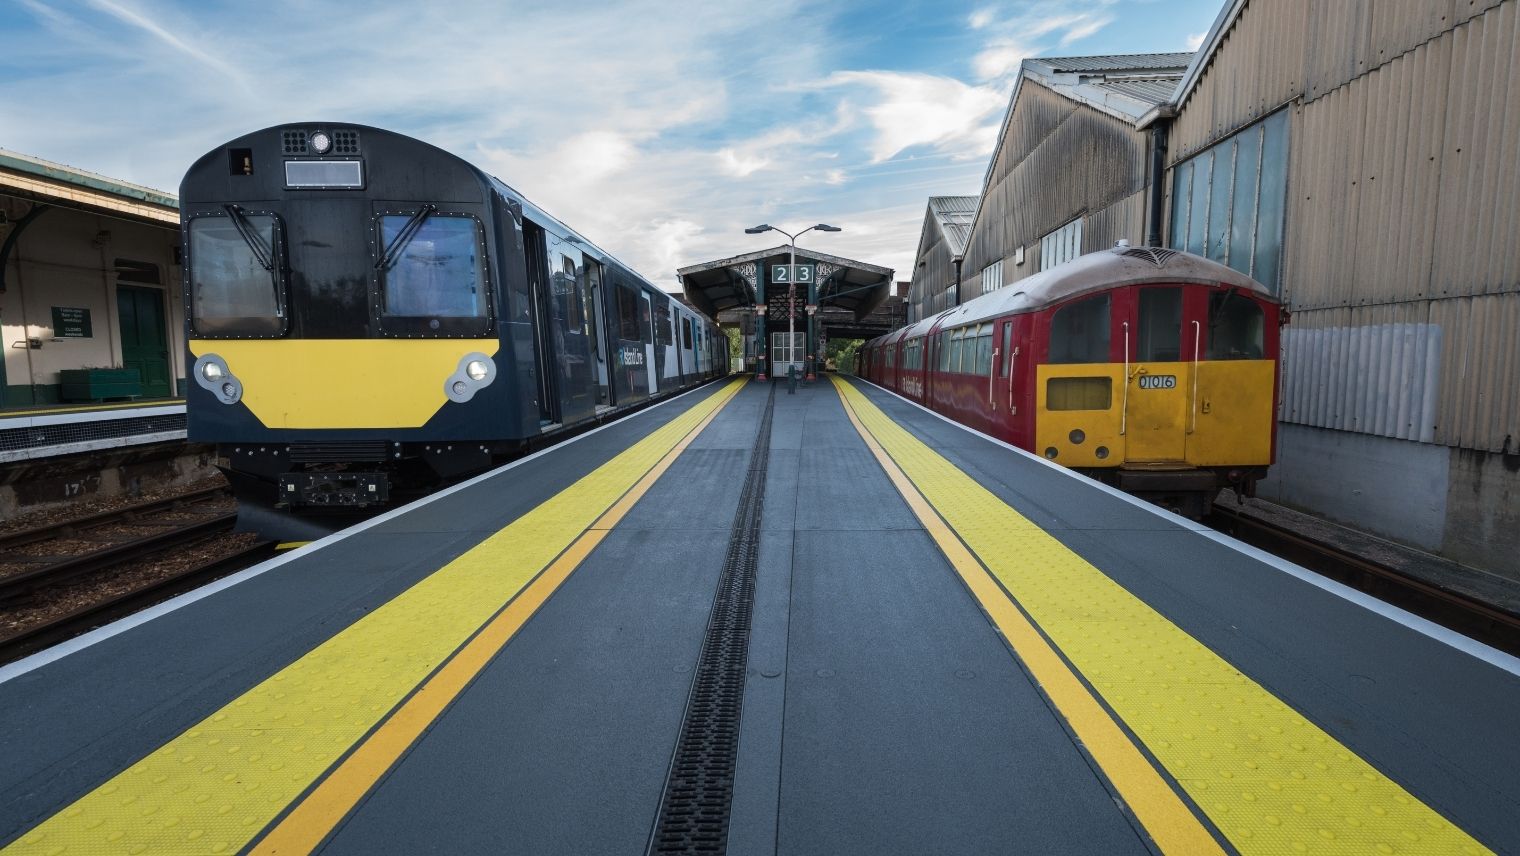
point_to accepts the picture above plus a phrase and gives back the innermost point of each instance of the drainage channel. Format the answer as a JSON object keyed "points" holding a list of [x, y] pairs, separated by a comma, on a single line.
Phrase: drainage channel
{"points": [[699, 789]]}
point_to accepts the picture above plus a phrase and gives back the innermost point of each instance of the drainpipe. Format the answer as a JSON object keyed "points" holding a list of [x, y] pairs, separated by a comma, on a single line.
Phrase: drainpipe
{"points": [[958, 260], [37, 210], [1160, 121]]}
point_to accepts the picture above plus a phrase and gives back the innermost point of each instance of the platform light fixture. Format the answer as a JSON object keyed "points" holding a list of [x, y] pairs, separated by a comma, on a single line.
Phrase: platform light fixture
{"points": [[791, 287]]}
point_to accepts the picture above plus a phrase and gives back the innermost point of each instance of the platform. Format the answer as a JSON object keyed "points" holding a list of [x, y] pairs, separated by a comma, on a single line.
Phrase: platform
{"points": [[955, 647], [53, 430]]}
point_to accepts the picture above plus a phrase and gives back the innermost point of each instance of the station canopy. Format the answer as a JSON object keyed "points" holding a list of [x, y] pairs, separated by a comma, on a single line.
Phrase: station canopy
{"points": [[736, 282]]}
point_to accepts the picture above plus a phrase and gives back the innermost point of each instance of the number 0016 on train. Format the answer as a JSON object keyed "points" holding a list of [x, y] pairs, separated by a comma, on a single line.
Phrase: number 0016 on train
{"points": [[1146, 368], [370, 316]]}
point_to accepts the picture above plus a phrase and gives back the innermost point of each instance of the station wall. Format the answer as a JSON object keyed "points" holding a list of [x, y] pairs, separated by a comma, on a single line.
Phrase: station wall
{"points": [[77, 260]]}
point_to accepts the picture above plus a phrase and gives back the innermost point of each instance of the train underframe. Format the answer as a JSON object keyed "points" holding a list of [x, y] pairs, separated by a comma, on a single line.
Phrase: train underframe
{"points": [[1188, 491], [299, 491]]}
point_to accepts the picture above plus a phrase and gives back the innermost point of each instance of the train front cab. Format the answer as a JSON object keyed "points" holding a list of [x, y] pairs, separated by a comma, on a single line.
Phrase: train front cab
{"points": [[1167, 391]]}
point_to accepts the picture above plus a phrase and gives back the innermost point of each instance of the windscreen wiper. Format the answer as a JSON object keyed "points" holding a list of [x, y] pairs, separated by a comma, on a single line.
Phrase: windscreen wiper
{"points": [[404, 237], [255, 243]]}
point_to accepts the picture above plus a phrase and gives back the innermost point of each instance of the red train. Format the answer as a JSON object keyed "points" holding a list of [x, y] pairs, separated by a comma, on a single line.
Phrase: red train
{"points": [[1150, 369]]}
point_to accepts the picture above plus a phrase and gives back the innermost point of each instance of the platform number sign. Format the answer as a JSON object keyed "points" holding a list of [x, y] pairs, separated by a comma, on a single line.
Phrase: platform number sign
{"points": [[782, 274]]}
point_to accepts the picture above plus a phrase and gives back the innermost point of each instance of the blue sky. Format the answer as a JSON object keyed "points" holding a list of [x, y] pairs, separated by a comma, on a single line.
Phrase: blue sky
{"points": [[659, 129]]}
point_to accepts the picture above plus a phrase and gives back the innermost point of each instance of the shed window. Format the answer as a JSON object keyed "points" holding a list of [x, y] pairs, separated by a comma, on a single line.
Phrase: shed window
{"points": [[1079, 332], [1062, 245], [1227, 201]]}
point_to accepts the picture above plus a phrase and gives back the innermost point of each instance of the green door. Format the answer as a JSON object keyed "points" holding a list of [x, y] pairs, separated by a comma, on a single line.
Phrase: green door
{"points": [[143, 344]]}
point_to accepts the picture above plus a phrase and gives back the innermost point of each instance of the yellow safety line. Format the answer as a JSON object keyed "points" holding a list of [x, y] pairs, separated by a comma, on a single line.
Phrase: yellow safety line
{"points": [[1158, 809], [213, 788], [314, 817], [1269, 780]]}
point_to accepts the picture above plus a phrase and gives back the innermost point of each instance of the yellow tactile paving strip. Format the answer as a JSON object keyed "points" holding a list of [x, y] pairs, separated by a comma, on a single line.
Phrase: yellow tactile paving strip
{"points": [[216, 786], [1268, 779]]}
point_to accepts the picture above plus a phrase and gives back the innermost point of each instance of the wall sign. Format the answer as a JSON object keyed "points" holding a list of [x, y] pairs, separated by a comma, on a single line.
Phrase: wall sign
{"points": [[71, 323]]}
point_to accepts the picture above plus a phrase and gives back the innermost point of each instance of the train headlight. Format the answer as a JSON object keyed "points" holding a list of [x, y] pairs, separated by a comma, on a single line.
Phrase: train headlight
{"points": [[473, 373], [213, 375], [320, 142]]}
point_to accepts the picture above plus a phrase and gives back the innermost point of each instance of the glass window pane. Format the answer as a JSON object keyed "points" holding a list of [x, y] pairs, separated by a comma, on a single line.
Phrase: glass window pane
{"points": [[1182, 188], [1220, 185], [1079, 393], [1079, 332], [1236, 327], [1006, 354], [984, 354], [1243, 207], [1274, 186], [1160, 333], [231, 291], [1198, 215], [437, 273]]}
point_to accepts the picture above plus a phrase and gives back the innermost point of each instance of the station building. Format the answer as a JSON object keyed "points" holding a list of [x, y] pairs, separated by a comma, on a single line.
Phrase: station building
{"points": [[90, 304], [1358, 158]]}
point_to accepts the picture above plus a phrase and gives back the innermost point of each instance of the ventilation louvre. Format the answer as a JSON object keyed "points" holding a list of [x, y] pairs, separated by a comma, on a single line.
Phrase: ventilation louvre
{"points": [[1157, 256]]}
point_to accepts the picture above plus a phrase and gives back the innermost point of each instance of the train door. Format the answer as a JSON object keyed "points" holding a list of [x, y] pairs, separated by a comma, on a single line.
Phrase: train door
{"points": [[535, 244], [1006, 356], [591, 290], [572, 323], [1155, 405], [650, 336]]}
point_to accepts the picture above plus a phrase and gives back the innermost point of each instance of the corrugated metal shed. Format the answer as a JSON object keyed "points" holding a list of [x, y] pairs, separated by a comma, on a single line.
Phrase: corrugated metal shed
{"points": [[1176, 61]]}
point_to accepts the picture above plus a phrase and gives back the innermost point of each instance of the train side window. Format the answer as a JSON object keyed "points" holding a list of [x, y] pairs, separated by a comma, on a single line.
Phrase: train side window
{"points": [[1079, 332], [1079, 393], [1160, 333], [436, 269], [944, 351], [569, 290], [984, 350], [1005, 356], [686, 333], [1236, 327], [235, 282], [628, 314]]}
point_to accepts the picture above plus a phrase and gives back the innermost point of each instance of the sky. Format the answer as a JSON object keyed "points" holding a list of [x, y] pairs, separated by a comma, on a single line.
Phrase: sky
{"points": [[658, 129]]}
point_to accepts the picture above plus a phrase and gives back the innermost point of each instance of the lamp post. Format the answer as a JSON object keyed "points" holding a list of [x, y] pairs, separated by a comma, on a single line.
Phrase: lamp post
{"points": [[791, 285]]}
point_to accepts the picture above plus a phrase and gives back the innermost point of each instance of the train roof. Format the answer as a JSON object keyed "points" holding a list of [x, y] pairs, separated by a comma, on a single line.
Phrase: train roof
{"points": [[1099, 271]]}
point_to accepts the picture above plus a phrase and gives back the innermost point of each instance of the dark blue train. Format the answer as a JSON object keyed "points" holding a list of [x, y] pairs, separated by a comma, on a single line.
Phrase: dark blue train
{"points": [[370, 316]]}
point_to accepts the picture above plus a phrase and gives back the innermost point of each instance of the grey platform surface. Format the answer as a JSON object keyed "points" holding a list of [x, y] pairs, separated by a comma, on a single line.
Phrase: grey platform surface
{"points": [[882, 713]]}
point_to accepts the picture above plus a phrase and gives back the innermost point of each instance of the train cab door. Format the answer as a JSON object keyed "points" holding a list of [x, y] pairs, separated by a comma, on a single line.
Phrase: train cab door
{"points": [[535, 242], [591, 292], [1006, 357], [647, 330], [572, 321], [1155, 400]]}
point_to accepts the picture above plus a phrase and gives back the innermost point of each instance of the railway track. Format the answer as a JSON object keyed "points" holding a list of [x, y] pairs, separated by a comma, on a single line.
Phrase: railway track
{"points": [[1464, 613], [103, 547]]}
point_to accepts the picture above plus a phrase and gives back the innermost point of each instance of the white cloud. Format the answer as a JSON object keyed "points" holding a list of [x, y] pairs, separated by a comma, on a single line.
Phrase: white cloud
{"points": [[913, 110], [980, 18], [1195, 40]]}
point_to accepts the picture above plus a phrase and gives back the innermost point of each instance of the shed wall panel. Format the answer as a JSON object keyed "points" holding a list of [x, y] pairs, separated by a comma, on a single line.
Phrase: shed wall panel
{"points": [[1480, 376]]}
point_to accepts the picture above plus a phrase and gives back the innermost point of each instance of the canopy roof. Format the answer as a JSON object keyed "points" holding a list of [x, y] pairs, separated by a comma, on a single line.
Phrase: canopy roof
{"points": [[736, 282]]}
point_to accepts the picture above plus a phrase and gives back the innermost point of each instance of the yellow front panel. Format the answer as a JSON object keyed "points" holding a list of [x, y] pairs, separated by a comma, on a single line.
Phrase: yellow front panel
{"points": [[1053, 428], [343, 383], [1233, 421]]}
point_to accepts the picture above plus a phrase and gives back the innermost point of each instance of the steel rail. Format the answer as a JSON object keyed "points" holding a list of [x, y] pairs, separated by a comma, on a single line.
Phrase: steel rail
{"points": [[1483, 621], [95, 614], [65, 528], [19, 585]]}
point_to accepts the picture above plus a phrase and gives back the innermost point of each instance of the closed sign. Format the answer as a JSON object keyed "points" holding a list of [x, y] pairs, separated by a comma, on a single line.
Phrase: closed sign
{"points": [[1158, 381]]}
